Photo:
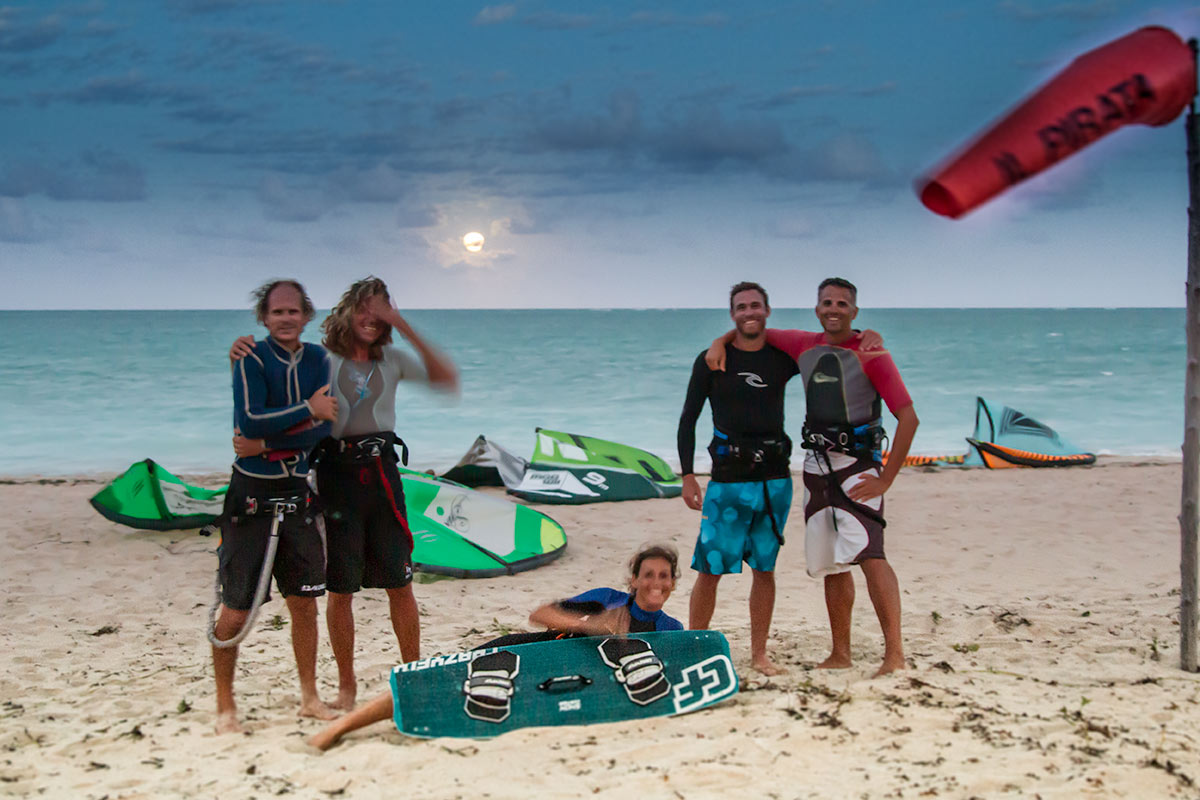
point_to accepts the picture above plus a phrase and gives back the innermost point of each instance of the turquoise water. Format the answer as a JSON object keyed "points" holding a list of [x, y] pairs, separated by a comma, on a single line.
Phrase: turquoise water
{"points": [[93, 391]]}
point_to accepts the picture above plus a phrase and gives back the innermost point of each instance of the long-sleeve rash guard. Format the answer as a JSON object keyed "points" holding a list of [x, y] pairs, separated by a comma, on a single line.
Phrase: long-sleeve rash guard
{"points": [[746, 399], [271, 387]]}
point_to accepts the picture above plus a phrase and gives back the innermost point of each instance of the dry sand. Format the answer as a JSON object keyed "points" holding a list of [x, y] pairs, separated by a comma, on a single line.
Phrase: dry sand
{"points": [[1040, 619]]}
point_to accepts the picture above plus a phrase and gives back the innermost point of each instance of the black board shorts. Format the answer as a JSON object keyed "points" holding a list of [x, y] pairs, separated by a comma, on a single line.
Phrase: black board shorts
{"points": [[299, 567], [368, 542]]}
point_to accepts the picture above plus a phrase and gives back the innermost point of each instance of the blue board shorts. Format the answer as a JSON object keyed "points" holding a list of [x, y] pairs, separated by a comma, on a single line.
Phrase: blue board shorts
{"points": [[735, 526]]}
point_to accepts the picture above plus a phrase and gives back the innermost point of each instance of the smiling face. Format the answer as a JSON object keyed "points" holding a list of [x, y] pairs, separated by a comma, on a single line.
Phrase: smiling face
{"points": [[285, 317], [749, 312], [366, 327], [836, 311], [653, 584]]}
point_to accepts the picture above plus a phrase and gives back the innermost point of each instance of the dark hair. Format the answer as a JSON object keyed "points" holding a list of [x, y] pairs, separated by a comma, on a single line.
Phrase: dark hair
{"points": [[746, 286], [841, 283], [338, 326], [663, 551], [262, 294]]}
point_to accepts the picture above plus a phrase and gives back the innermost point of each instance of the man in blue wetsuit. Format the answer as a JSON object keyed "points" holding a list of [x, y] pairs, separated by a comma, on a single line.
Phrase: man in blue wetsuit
{"points": [[281, 395]]}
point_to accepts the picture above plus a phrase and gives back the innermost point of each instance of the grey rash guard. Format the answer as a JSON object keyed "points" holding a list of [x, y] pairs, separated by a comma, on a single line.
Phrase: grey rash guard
{"points": [[366, 391]]}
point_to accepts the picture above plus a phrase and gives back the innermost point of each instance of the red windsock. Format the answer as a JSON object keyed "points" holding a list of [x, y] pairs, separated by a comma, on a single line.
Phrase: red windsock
{"points": [[1146, 77]]}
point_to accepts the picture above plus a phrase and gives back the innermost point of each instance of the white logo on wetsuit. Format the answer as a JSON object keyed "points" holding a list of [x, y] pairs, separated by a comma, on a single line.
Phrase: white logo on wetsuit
{"points": [[753, 380], [821, 377]]}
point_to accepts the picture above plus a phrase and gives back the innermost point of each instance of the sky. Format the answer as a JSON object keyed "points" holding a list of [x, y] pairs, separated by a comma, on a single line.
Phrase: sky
{"points": [[177, 153]]}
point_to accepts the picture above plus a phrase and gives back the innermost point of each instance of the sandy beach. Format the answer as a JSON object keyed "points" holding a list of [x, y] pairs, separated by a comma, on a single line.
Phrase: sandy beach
{"points": [[1040, 613]]}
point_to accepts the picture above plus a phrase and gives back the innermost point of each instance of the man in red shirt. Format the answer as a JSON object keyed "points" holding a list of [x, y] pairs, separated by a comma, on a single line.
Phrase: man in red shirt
{"points": [[844, 480]]}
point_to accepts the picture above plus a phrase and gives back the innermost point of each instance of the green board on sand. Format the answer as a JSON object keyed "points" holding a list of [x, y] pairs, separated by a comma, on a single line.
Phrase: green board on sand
{"points": [[487, 692]]}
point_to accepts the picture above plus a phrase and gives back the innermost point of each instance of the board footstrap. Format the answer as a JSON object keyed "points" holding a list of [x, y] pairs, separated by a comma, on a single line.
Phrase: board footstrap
{"points": [[489, 686], [637, 669]]}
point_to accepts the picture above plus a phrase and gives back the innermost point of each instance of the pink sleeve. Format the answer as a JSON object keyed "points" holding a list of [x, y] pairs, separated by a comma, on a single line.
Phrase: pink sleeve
{"points": [[886, 380], [792, 342]]}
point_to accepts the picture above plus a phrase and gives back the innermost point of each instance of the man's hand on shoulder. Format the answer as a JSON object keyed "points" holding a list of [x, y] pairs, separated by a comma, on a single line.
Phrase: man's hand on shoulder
{"points": [[871, 340], [241, 347], [715, 357], [692, 496]]}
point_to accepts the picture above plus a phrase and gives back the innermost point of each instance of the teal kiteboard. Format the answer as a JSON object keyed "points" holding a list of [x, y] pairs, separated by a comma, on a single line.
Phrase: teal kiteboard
{"points": [[487, 692]]}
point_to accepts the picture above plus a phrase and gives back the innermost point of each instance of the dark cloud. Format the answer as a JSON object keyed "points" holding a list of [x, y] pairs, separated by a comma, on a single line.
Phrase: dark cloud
{"points": [[279, 58], [620, 129], [704, 141], [20, 34], [128, 90], [208, 114], [99, 175]]}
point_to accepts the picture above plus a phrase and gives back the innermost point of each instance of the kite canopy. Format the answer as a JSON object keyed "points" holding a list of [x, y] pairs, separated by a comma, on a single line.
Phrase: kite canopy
{"points": [[468, 534], [456, 531], [567, 468], [149, 497], [1005, 437]]}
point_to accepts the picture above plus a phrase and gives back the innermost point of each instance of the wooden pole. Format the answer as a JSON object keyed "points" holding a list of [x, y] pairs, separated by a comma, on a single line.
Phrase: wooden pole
{"points": [[1191, 411]]}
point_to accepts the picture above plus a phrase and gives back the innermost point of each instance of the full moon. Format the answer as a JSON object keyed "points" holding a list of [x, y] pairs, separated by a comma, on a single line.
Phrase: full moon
{"points": [[473, 241]]}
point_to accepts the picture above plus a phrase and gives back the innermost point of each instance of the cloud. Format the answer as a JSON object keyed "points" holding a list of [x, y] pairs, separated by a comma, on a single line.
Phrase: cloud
{"points": [[99, 175], [130, 89], [705, 140], [618, 130], [378, 184], [19, 225], [410, 214], [494, 15], [21, 35], [285, 202], [844, 157]]}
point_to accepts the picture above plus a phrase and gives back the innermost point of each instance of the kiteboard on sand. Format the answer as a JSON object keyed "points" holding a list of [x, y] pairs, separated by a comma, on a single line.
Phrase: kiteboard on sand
{"points": [[487, 692]]}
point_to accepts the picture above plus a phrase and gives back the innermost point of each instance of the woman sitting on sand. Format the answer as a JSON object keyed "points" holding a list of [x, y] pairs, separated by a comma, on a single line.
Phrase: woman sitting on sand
{"points": [[598, 612]]}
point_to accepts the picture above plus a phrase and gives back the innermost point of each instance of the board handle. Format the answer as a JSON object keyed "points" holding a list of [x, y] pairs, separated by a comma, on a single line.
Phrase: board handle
{"points": [[564, 683]]}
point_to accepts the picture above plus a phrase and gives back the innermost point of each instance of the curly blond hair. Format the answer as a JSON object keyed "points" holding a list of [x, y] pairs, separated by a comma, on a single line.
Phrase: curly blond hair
{"points": [[338, 326]]}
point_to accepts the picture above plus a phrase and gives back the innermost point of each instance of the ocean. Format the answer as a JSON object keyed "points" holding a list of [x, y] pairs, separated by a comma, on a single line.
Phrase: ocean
{"points": [[94, 391]]}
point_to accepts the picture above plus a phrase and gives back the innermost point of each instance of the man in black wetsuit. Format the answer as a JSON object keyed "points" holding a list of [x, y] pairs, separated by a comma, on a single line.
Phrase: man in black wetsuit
{"points": [[747, 501]]}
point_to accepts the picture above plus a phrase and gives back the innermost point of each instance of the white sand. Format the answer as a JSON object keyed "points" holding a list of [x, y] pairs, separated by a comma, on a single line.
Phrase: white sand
{"points": [[1040, 621]]}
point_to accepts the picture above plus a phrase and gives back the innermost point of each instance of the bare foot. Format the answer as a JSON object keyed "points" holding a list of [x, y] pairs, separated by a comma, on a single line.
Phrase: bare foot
{"points": [[317, 710], [347, 695], [766, 666], [889, 666], [836, 662], [227, 722]]}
